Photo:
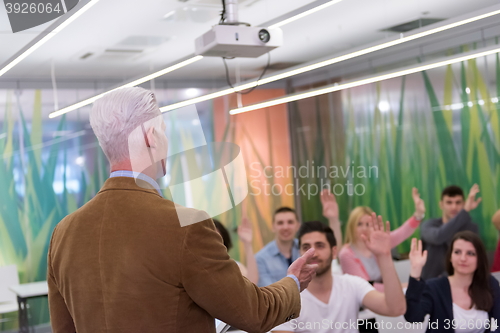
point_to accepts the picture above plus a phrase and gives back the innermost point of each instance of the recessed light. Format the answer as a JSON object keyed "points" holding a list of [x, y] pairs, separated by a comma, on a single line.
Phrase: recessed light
{"points": [[384, 106]]}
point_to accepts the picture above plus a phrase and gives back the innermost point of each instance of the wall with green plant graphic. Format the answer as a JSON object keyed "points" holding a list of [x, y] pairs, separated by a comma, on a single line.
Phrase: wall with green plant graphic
{"points": [[48, 169], [370, 144], [37, 185], [427, 130]]}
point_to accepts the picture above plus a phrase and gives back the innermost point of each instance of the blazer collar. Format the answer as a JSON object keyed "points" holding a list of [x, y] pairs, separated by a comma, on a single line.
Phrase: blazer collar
{"points": [[127, 183], [447, 291]]}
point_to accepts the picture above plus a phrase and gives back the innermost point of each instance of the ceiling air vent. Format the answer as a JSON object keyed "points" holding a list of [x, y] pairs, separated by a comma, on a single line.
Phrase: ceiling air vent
{"points": [[119, 54], [405, 27], [134, 42]]}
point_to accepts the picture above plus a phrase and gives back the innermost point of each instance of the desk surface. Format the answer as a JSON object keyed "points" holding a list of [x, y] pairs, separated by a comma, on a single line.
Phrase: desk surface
{"points": [[31, 289]]}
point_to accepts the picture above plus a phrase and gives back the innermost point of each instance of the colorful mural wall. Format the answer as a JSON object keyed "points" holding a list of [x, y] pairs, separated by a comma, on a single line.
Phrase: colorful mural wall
{"points": [[43, 177], [427, 130], [264, 141], [370, 145]]}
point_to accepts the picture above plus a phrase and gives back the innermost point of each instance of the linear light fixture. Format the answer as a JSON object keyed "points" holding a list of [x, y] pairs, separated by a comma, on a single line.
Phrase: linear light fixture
{"points": [[357, 83], [328, 62], [23, 54], [182, 64], [304, 14], [130, 84]]}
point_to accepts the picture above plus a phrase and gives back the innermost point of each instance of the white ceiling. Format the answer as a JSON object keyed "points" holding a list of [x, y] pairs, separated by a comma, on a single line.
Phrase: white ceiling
{"points": [[112, 24]]}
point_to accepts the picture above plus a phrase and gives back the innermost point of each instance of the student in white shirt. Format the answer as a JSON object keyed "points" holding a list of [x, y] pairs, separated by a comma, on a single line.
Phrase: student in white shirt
{"points": [[331, 302]]}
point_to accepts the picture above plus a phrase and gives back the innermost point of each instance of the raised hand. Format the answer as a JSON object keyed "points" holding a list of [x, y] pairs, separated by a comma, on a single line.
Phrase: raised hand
{"points": [[417, 258], [245, 232], [329, 203], [471, 202], [302, 270], [419, 205], [379, 241]]}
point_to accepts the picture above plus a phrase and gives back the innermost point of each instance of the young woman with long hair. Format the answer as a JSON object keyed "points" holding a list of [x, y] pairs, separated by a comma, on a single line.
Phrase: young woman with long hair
{"points": [[465, 301], [356, 259]]}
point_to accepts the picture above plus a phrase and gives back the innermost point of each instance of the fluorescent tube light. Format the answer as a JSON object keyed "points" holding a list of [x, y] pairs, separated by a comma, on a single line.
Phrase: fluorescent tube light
{"points": [[130, 84], [167, 15], [187, 62], [327, 62], [17, 59], [303, 14], [347, 85]]}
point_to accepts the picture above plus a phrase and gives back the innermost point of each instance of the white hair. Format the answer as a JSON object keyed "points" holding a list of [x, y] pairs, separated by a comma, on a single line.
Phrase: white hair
{"points": [[115, 115]]}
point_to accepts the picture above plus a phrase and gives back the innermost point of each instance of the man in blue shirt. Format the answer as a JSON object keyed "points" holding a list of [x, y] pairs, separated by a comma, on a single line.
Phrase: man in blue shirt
{"points": [[273, 260]]}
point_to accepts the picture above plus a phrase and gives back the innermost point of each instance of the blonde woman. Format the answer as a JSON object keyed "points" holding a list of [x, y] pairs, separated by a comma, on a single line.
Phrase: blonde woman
{"points": [[356, 259]]}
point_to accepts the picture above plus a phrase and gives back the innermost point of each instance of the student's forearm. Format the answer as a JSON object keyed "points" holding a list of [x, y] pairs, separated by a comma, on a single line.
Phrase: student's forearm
{"points": [[394, 296], [253, 271], [337, 232], [444, 233]]}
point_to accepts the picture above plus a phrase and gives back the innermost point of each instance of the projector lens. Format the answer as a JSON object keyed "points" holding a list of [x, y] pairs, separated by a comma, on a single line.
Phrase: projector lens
{"points": [[264, 35]]}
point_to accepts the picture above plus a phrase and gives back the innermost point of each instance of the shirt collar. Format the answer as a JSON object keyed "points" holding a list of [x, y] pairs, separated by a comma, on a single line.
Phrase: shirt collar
{"points": [[137, 175], [275, 251]]}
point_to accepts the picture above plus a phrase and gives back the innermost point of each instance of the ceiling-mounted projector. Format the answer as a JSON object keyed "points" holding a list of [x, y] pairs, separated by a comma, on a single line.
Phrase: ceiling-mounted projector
{"points": [[238, 41]]}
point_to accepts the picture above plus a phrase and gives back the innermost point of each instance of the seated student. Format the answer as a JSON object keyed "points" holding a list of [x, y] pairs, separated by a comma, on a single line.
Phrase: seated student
{"points": [[245, 235], [331, 302], [464, 301], [496, 259], [437, 233], [274, 258], [356, 259]]}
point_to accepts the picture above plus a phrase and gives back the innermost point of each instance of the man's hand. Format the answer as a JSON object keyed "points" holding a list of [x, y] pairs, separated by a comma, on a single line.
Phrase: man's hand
{"points": [[417, 258], [471, 202], [379, 241], [329, 203], [419, 205], [302, 270], [245, 232]]}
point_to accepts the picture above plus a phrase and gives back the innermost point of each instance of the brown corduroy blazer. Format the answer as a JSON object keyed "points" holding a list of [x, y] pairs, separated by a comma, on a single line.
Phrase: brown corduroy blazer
{"points": [[123, 264]]}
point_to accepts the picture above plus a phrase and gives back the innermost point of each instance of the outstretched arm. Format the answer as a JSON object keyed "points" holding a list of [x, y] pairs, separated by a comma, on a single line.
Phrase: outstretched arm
{"points": [[418, 302], [351, 264], [245, 234], [408, 228], [392, 301], [331, 212], [214, 282], [438, 235]]}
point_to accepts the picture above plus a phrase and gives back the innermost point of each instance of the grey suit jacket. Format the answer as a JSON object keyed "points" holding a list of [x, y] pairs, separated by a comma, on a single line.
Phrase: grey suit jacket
{"points": [[436, 237]]}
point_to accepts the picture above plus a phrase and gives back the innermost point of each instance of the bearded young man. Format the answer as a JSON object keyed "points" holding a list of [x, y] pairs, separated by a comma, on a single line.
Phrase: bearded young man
{"points": [[331, 302]]}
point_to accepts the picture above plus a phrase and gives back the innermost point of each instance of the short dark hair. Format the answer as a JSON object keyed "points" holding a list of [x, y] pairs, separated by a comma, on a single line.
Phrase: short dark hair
{"points": [[318, 226], [285, 210], [226, 238], [480, 290], [452, 191]]}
